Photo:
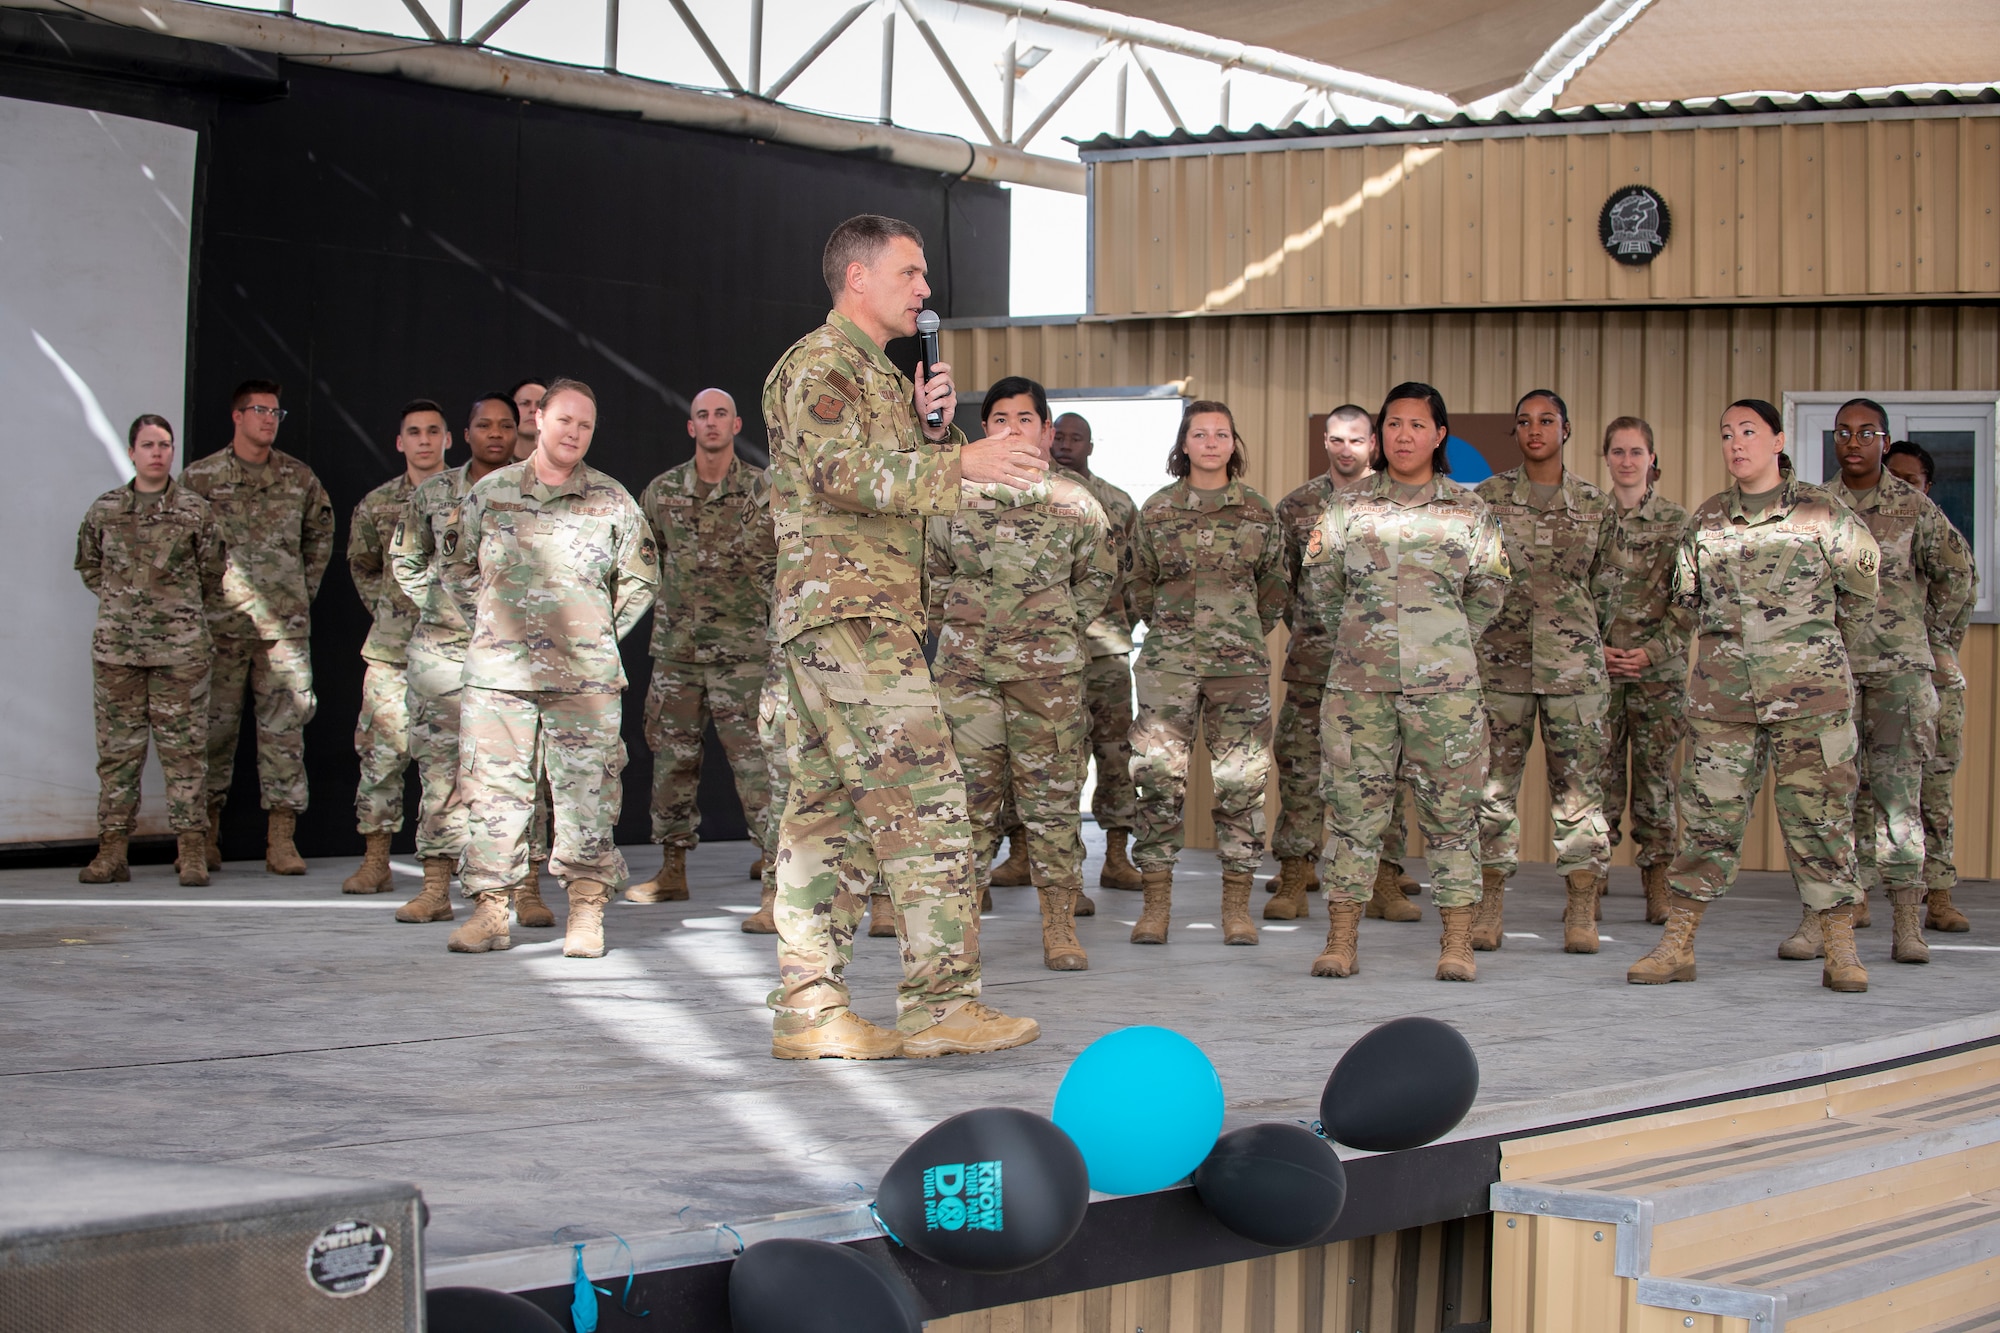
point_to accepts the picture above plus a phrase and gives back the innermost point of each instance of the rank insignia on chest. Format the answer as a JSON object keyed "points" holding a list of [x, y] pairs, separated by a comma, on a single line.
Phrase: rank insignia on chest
{"points": [[1545, 536], [827, 409], [1205, 538], [1005, 532]]}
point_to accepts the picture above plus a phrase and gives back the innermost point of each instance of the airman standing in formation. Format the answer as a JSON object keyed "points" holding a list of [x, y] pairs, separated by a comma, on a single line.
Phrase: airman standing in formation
{"points": [[382, 732], [711, 520], [1774, 574], [436, 667], [552, 563], [1013, 590], [276, 526], [150, 553]]}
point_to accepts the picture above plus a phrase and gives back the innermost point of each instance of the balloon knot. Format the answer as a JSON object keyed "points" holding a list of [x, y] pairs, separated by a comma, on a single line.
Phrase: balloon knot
{"points": [[884, 1225]]}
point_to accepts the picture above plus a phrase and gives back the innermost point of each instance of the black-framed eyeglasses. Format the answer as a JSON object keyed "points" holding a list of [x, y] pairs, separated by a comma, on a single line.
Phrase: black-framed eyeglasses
{"points": [[275, 413], [1868, 434]]}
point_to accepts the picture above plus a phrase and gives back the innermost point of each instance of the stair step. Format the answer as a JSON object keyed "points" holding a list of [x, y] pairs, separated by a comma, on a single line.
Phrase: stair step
{"points": [[1980, 1321]]}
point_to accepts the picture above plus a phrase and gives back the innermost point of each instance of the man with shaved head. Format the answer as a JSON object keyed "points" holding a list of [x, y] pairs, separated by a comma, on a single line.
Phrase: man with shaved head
{"points": [[711, 518]]}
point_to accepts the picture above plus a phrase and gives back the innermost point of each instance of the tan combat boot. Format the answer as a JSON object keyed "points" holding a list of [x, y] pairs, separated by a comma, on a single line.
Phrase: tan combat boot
{"points": [[109, 866], [845, 1036], [1907, 944], [374, 876], [584, 935], [487, 931], [1343, 930], [1118, 872], [669, 886], [1455, 961], [881, 916], [1014, 872], [1061, 952], [764, 920], [1862, 919], [1486, 933], [433, 901], [1654, 878], [1083, 905], [1406, 883], [1237, 927], [1843, 970], [1290, 903], [281, 857], [529, 909], [214, 847], [1580, 920], [1940, 914], [1805, 942], [1151, 927], [192, 858], [757, 867], [1388, 902], [1672, 959], [971, 1029]]}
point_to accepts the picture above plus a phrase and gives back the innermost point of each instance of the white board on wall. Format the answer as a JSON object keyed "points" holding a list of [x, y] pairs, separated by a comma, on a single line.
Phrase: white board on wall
{"points": [[94, 244]]}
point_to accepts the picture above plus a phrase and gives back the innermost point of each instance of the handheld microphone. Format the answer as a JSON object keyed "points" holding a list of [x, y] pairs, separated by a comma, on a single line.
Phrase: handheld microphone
{"points": [[927, 336]]}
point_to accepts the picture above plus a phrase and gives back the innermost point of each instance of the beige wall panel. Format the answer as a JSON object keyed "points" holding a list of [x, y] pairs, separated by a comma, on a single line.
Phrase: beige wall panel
{"points": [[1934, 189], [1802, 194], [1763, 212], [1979, 207], [1503, 254], [1713, 212], [1890, 144], [1587, 184]]}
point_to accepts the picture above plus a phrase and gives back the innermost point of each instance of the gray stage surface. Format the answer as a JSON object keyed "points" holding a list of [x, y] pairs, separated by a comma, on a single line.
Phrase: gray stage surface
{"points": [[273, 1022]]}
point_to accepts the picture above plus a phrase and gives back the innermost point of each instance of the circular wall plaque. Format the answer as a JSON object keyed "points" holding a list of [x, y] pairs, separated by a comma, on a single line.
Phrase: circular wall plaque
{"points": [[1634, 224]]}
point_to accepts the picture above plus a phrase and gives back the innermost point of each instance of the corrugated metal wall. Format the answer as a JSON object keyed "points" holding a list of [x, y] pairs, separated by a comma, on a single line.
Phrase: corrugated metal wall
{"points": [[1795, 211], [1676, 367]]}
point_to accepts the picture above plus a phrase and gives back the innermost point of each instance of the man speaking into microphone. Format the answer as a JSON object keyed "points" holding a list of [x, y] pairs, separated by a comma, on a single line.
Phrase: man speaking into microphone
{"points": [[859, 459]]}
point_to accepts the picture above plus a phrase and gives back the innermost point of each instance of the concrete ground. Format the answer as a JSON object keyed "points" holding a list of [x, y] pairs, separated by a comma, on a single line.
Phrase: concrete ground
{"points": [[275, 1023]]}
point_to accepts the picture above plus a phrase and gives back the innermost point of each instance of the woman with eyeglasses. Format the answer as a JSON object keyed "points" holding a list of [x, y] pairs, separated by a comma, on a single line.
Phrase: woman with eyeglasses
{"points": [[1774, 574]]}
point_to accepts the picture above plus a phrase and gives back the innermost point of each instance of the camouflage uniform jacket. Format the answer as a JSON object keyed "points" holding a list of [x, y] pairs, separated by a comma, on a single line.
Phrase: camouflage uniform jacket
{"points": [[1637, 579], [1310, 651], [1549, 635], [277, 540], [1014, 589], [154, 567], [1208, 578], [1772, 598], [1925, 581], [1404, 581], [852, 481], [1110, 634], [718, 555], [550, 578], [368, 535], [437, 645], [1948, 675]]}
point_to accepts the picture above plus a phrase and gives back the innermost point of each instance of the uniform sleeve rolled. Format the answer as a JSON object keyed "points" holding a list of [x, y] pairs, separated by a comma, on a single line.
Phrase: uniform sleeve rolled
{"points": [[316, 538], [854, 461]]}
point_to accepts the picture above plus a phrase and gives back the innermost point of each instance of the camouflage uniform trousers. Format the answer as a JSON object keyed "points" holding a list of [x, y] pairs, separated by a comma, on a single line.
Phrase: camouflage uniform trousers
{"points": [[1648, 719], [1573, 744], [680, 703], [1234, 714], [777, 768], [1437, 744], [1814, 762], [1301, 807], [434, 749], [875, 789], [382, 742], [1027, 735], [1897, 716], [1107, 693], [278, 676], [501, 734], [1940, 862], [169, 704]]}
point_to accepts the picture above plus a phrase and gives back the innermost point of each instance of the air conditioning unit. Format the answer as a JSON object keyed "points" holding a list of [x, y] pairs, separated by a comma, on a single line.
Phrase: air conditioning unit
{"points": [[95, 1244]]}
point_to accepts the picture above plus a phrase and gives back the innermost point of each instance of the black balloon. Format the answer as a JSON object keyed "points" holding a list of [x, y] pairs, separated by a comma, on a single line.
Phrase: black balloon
{"points": [[1405, 1084], [1277, 1184], [991, 1191], [811, 1286], [479, 1310]]}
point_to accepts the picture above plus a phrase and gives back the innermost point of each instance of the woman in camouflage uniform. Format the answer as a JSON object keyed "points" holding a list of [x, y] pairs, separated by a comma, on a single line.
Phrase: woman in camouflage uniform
{"points": [[1209, 581], [1405, 570]]}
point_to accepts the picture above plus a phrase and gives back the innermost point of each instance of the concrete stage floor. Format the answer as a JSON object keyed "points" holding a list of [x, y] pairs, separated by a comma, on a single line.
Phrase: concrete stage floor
{"points": [[275, 1023]]}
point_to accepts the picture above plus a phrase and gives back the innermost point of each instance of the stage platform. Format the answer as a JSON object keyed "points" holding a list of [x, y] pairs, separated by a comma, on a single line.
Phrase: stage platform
{"points": [[276, 1023]]}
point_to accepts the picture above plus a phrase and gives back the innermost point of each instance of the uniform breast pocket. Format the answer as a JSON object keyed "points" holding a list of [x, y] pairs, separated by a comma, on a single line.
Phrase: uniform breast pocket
{"points": [[125, 558], [1248, 547]]}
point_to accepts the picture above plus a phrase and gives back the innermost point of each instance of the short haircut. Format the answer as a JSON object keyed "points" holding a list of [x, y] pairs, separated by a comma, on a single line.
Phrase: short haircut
{"points": [[1881, 412], [1178, 462], [858, 241], [1351, 412], [1418, 391], [495, 396], [1014, 386], [417, 405], [146, 419], [564, 384], [249, 389], [1629, 423], [515, 392], [1088, 432], [1901, 448]]}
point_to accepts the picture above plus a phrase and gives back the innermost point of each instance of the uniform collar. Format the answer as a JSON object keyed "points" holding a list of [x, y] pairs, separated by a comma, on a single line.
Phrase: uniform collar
{"points": [[1184, 496], [863, 344], [532, 485], [241, 474], [735, 479], [129, 494], [1565, 492], [1383, 485], [1788, 496], [1888, 491]]}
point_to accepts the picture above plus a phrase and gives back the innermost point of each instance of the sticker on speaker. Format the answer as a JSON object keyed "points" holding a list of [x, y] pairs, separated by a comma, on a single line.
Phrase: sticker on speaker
{"points": [[348, 1258]]}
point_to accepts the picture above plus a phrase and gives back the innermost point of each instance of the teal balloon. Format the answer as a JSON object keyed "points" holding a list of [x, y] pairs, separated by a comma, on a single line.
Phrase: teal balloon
{"points": [[1144, 1105]]}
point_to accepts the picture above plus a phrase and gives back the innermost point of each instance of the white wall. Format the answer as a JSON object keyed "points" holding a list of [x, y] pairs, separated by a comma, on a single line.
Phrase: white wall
{"points": [[94, 236]]}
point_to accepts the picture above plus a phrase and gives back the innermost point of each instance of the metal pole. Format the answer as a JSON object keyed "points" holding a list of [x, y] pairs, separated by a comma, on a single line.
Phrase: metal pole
{"points": [[756, 79], [455, 28], [888, 58], [1222, 117], [611, 35], [1118, 121], [816, 50], [1056, 102], [1007, 80]]}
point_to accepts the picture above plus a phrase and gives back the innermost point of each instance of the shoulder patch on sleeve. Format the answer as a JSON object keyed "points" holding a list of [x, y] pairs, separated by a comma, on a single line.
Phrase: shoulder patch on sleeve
{"points": [[827, 409], [1867, 559], [646, 552]]}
